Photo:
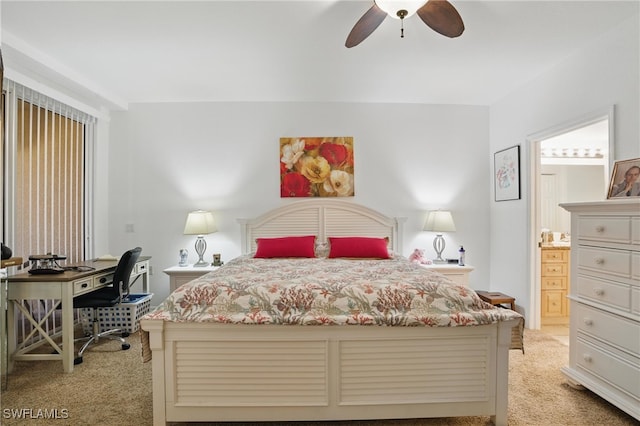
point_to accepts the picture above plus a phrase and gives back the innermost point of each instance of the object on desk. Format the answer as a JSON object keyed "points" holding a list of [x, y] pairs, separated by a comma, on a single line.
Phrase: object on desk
{"points": [[108, 257], [12, 261], [461, 259], [6, 252], [46, 264]]}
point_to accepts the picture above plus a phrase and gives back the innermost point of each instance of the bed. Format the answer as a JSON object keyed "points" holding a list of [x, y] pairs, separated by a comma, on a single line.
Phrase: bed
{"points": [[262, 349]]}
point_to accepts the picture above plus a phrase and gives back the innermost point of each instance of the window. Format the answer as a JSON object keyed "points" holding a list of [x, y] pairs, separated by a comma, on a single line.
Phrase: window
{"points": [[47, 184], [46, 171]]}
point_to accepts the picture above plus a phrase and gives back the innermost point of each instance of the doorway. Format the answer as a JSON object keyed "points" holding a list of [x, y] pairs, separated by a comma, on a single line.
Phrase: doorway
{"points": [[569, 163]]}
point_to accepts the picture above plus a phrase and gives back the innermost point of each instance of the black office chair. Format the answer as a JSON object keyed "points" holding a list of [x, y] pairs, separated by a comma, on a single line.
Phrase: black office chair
{"points": [[108, 297]]}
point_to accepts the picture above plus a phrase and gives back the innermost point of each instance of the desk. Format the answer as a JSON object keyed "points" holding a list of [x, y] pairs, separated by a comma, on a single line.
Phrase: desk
{"points": [[62, 288]]}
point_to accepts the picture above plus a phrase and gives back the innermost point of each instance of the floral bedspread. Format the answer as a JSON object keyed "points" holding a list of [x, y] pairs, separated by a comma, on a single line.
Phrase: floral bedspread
{"points": [[320, 291]]}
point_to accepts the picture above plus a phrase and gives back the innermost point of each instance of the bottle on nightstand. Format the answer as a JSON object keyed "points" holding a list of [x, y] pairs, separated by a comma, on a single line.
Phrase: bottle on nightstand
{"points": [[461, 258]]}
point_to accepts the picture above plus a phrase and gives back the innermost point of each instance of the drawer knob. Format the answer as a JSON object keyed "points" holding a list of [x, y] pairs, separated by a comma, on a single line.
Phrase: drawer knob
{"points": [[600, 261], [588, 321], [598, 291], [103, 280], [84, 285], [600, 228], [586, 357]]}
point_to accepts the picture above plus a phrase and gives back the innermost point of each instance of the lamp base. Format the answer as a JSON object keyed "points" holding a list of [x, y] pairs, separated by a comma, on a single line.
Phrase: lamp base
{"points": [[201, 247], [438, 245]]}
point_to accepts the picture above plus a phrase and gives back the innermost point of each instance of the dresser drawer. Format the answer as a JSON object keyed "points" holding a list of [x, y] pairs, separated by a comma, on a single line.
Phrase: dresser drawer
{"points": [[615, 330], [607, 261], [82, 286], [616, 371], [554, 255], [611, 229], [554, 269], [606, 292], [554, 304], [553, 283]]}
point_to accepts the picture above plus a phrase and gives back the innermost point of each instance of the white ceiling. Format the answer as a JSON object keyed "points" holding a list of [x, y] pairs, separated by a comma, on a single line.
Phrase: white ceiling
{"points": [[113, 53]]}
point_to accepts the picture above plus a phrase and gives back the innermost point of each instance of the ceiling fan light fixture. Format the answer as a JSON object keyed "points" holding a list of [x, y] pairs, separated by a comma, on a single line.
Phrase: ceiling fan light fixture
{"points": [[392, 7]]}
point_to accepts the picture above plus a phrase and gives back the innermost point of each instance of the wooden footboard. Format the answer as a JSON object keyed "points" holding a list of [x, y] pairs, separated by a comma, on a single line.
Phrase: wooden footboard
{"points": [[227, 372]]}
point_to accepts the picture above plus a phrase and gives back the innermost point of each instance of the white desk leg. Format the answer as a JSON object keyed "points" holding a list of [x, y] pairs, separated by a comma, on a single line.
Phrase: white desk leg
{"points": [[12, 338], [145, 282], [4, 338], [67, 329]]}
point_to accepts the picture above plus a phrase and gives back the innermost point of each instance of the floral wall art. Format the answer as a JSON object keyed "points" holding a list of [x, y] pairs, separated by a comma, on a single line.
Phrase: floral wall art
{"points": [[316, 167], [507, 174]]}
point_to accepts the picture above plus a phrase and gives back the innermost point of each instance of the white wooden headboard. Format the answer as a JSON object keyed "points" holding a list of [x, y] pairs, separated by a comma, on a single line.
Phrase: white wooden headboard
{"points": [[322, 218]]}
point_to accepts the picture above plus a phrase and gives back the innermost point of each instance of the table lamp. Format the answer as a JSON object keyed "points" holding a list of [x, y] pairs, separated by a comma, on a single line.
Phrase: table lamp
{"points": [[200, 223], [439, 221]]}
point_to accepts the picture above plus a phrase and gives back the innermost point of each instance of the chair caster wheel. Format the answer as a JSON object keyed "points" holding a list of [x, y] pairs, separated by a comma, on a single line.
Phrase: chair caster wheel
{"points": [[125, 346], [77, 360]]}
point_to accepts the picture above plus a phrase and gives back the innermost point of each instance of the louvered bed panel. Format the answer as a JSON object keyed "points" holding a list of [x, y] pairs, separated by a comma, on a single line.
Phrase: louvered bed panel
{"points": [[250, 373], [414, 371]]}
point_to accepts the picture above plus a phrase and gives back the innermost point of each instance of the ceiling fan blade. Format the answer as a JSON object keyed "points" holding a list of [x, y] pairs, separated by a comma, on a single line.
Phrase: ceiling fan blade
{"points": [[442, 17], [365, 26]]}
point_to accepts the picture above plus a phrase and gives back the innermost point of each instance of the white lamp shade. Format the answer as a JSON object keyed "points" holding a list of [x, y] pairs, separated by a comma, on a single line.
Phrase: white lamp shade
{"points": [[391, 7], [440, 221], [200, 222]]}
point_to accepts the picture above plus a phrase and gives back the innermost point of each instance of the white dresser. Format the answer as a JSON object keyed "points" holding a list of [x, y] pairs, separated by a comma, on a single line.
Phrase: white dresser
{"points": [[604, 330]]}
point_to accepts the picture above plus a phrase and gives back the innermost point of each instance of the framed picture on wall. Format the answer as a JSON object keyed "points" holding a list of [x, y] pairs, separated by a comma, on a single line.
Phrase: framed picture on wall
{"points": [[625, 179], [316, 167], [506, 174]]}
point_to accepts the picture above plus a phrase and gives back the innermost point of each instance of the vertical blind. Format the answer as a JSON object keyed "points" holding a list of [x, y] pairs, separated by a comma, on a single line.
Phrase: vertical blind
{"points": [[48, 147], [47, 186]]}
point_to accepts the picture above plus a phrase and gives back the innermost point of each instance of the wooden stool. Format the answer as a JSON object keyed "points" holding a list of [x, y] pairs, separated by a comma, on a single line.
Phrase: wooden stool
{"points": [[496, 298]]}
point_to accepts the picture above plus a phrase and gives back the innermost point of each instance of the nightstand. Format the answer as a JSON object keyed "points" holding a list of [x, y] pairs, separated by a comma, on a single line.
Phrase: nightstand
{"points": [[456, 273], [179, 275]]}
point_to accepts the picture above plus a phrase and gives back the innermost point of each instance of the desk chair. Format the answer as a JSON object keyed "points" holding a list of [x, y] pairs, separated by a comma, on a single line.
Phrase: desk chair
{"points": [[108, 297]]}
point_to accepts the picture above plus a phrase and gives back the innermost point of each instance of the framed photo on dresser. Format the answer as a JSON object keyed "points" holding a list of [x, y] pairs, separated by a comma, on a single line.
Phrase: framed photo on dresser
{"points": [[625, 179]]}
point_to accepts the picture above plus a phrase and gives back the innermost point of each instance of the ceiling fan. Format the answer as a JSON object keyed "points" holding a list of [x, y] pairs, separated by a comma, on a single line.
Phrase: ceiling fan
{"points": [[439, 15]]}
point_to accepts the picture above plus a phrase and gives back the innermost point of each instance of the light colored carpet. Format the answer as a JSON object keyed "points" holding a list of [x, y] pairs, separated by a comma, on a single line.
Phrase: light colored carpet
{"points": [[113, 387]]}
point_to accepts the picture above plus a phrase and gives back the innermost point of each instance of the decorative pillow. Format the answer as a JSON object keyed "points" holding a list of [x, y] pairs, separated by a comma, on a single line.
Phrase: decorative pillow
{"points": [[322, 249], [359, 247], [286, 247]]}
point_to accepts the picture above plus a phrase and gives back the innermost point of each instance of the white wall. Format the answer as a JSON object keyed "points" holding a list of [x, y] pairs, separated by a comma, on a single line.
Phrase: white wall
{"points": [[168, 159], [575, 183], [604, 74]]}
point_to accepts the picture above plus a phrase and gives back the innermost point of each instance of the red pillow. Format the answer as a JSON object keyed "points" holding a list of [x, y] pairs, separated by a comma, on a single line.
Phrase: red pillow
{"points": [[361, 247], [286, 247]]}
